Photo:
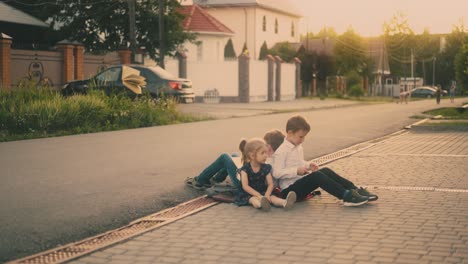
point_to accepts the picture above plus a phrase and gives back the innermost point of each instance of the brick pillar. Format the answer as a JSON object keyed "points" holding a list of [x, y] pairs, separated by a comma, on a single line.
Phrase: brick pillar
{"points": [[278, 78], [125, 56], [298, 82], [68, 61], [182, 59], [5, 61], [79, 61], [244, 78], [271, 78]]}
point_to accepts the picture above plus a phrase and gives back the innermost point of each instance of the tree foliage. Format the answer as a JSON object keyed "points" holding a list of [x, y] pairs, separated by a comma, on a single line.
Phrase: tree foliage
{"points": [[263, 51], [229, 52], [461, 68], [445, 59], [104, 25], [349, 51], [284, 50], [399, 39]]}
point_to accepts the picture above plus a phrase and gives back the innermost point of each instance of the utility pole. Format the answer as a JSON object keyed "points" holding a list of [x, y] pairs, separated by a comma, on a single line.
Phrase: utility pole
{"points": [[131, 16], [161, 34]]}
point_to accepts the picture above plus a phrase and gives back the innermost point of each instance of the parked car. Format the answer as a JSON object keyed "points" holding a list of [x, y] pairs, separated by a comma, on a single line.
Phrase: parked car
{"points": [[158, 82], [425, 92]]}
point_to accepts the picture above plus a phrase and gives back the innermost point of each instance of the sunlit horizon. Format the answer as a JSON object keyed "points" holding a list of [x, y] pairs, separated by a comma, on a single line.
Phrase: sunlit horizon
{"points": [[367, 17]]}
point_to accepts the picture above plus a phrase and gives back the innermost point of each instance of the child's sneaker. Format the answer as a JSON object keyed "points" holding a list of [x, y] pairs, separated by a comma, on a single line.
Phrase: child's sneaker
{"points": [[353, 198], [290, 200], [192, 182], [364, 192], [264, 204]]}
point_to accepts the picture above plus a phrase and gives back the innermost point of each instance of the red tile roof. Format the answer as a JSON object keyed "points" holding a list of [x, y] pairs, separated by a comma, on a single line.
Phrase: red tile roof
{"points": [[198, 20]]}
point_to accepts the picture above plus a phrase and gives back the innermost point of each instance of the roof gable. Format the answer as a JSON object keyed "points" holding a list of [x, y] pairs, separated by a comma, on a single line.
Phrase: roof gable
{"points": [[198, 20], [280, 6], [12, 15]]}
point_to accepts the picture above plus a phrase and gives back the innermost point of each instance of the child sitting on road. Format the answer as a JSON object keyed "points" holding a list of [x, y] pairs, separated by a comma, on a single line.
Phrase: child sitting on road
{"points": [[296, 175], [224, 165], [256, 180]]}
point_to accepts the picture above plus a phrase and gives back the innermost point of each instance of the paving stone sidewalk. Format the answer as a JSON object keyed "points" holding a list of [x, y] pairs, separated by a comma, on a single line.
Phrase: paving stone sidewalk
{"points": [[421, 216]]}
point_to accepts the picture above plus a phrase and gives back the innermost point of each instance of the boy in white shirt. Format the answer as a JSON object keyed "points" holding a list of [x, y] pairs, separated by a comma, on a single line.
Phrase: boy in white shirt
{"points": [[295, 174]]}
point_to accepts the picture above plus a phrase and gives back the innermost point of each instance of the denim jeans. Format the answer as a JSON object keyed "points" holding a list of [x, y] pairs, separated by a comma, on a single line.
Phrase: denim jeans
{"points": [[324, 178], [220, 169]]}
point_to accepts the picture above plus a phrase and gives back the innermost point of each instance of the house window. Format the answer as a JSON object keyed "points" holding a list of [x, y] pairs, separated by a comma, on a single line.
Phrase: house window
{"points": [[200, 51], [264, 24], [292, 29], [276, 26]]}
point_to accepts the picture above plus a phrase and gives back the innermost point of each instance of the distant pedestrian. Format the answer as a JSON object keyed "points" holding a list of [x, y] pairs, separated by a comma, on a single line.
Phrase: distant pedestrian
{"points": [[438, 94], [256, 180], [403, 96], [452, 92]]}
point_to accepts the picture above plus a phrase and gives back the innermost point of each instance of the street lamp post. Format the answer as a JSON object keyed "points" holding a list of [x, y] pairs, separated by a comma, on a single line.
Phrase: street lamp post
{"points": [[433, 70]]}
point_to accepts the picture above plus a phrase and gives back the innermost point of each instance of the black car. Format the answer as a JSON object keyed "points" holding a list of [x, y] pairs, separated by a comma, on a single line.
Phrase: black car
{"points": [[159, 82]]}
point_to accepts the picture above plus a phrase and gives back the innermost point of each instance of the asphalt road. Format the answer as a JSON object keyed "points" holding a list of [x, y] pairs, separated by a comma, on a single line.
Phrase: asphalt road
{"points": [[58, 190]]}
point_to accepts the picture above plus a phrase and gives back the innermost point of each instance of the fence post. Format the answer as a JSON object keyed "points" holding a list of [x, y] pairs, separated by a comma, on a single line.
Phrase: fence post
{"points": [[66, 48], [297, 78], [79, 61], [244, 81], [278, 78], [182, 59], [125, 56], [271, 78], [5, 61]]}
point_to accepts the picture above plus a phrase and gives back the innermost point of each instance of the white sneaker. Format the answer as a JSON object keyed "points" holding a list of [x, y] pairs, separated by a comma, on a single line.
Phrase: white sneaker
{"points": [[290, 200]]}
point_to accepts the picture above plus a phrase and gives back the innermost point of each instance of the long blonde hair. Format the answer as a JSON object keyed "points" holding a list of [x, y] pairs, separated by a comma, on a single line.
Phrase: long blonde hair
{"points": [[251, 146]]}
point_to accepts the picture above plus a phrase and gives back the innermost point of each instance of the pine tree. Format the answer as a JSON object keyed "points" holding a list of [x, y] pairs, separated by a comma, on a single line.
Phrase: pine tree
{"points": [[229, 52], [263, 51]]}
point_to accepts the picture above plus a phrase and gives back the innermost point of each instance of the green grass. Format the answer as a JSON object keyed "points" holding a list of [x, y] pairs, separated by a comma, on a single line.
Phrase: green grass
{"points": [[450, 113], [28, 113]]}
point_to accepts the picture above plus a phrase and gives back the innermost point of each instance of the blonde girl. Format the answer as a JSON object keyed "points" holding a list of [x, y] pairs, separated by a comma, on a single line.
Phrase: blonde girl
{"points": [[256, 179]]}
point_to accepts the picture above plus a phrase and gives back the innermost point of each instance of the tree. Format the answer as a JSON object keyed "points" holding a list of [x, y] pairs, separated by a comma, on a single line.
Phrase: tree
{"points": [[284, 50], [399, 39], [461, 68], [349, 51], [445, 60], [263, 51], [104, 25], [229, 52]]}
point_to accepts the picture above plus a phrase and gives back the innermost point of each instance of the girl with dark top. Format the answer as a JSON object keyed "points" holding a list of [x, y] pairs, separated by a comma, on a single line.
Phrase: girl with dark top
{"points": [[256, 180]]}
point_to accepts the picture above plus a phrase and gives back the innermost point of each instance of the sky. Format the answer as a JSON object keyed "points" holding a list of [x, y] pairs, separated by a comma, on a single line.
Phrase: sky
{"points": [[367, 16]]}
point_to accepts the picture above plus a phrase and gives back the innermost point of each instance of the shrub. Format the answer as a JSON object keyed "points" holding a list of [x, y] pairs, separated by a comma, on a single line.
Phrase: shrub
{"points": [[29, 113], [356, 91]]}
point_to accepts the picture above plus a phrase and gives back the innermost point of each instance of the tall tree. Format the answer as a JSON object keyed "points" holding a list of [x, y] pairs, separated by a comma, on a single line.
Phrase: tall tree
{"points": [[104, 25], [399, 39], [349, 51], [445, 60], [461, 68]]}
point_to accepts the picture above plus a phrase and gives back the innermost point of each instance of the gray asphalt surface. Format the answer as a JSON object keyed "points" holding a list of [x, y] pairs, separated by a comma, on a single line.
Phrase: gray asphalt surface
{"points": [[58, 190]]}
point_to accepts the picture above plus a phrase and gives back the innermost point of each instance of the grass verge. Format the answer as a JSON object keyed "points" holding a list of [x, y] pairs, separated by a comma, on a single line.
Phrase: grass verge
{"points": [[36, 113]]}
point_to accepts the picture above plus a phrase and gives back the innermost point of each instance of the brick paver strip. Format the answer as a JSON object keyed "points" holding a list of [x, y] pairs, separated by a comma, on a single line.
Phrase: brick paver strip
{"points": [[414, 224]]}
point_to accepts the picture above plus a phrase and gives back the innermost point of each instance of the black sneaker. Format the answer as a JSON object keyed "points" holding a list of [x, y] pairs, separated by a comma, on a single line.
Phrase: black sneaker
{"points": [[364, 192], [353, 198], [192, 182]]}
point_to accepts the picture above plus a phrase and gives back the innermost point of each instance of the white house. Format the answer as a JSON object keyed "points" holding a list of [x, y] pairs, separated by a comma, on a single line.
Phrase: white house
{"points": [[256, 21], [212, 35]]}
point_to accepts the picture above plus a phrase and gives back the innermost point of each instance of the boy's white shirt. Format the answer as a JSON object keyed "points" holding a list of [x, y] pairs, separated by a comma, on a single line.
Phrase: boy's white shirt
{"points": [[286, 159]]}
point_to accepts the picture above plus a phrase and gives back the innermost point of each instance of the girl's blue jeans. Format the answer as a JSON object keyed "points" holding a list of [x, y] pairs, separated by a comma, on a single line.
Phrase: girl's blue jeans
{"points": [[222, 167]]}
